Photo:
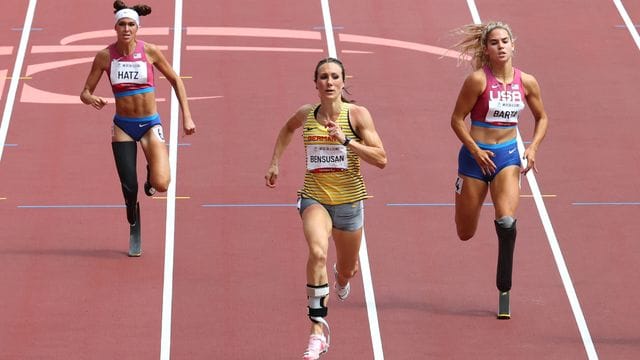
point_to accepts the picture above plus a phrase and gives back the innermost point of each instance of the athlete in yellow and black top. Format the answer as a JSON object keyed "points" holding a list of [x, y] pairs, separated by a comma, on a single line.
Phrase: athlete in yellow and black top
{"points": [[333, 170], [337, 135]]}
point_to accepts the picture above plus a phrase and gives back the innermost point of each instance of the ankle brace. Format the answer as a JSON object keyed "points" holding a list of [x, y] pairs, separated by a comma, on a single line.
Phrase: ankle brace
{"points": [[317, 308]]}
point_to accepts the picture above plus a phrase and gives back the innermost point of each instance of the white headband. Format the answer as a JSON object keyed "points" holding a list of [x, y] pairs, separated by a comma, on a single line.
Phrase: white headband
{"points": [[128, 13]]}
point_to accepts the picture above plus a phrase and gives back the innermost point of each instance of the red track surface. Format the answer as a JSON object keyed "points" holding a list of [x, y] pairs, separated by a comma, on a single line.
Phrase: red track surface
{"points": [[70, 292]]}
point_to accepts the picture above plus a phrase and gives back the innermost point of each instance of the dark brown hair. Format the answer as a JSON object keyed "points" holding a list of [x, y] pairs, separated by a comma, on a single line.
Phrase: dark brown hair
{"points": [[142, 10]]}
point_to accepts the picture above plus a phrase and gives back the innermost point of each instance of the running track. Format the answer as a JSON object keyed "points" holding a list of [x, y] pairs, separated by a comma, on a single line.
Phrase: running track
{"points": [[237, 274]]}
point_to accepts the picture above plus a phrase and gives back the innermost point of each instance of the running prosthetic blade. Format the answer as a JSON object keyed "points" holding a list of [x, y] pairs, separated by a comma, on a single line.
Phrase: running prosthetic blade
{"points": [[504, 311], [135, 241]]}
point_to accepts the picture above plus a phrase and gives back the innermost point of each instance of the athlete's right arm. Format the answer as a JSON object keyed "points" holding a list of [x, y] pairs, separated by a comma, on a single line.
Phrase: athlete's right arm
{"points": [[282, 141], [99, 65], [472, 88]]}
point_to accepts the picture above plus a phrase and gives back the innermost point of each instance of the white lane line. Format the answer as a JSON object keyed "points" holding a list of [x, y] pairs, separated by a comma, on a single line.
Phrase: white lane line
{"points": [[374, 327], [328, 29], [475, 15], [553, 241], [15, 77], [627, 21], [167, 287], [372, 312]]}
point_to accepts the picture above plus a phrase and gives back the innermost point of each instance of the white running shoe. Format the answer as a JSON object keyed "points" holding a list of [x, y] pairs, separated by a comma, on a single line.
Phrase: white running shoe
{"points": [[318, 345], [341, 291]]}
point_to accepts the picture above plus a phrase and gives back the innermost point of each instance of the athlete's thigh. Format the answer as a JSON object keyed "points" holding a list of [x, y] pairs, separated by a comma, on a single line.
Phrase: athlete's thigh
{"points": [[505, 191], [118, 135], [347, 245], [316, 225], [155, 150], [348, 220], [470, 194]]}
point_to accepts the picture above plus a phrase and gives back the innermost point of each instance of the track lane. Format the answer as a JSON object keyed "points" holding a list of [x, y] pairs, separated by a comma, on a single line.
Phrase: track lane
{"points": [[74, 274], [13, 20], [597, 240], [239, 271], [68, 266], [525, 305]]}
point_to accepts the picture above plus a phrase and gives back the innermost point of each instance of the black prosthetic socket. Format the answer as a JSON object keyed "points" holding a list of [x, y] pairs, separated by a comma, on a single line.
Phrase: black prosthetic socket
{"points": [[506, 246], [133, 214], [125, 153]]}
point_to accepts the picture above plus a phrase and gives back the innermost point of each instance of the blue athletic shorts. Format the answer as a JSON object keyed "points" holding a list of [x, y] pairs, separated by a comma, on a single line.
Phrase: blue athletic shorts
{"points": [[136, 127], [345, 217], [507, 154]]}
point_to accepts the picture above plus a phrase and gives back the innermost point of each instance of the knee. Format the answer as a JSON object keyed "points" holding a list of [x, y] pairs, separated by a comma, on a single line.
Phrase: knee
{"points": [[350, 273], [506, 222], [317, 256]]}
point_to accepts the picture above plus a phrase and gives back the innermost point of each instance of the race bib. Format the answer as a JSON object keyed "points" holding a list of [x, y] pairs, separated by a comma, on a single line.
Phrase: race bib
{"points": [[128, 72], [504, 106], [326, 158]]}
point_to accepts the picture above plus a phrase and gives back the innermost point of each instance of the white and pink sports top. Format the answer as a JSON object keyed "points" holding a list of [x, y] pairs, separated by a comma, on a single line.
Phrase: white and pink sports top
{"points": [[131, 74], [500, 105]]}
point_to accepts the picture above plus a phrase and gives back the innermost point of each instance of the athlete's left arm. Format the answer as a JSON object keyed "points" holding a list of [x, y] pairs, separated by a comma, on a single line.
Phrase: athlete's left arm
{"points": [[160, 62], [534, 100], [370, 149]]}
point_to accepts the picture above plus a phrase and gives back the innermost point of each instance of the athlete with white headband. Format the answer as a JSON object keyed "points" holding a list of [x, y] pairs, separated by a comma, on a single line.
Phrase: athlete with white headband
{"points": [[130, 64], [128, 13]]}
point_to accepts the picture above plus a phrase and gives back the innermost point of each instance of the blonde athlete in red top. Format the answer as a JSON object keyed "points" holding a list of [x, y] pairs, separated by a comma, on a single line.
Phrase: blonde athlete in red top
{"points": [[493, 93], [336, 135]]}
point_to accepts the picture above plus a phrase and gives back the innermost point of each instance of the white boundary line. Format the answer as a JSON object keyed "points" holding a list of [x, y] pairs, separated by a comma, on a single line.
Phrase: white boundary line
{"points": [[627, 21], [328, 29], [167, 287], [475, 15], [553, 241], [374, 328], [15, 77]]}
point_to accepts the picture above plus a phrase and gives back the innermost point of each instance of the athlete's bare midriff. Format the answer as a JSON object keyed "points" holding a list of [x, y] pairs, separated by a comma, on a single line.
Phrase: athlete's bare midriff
{"points": [[492, 135], [136, 106]]}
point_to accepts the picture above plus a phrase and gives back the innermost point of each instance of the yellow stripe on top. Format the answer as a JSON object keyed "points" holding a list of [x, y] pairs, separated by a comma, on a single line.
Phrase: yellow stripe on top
{"points": [[332, 185]]}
